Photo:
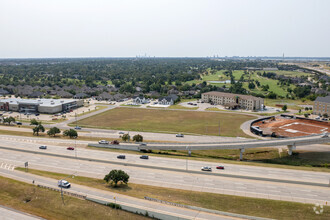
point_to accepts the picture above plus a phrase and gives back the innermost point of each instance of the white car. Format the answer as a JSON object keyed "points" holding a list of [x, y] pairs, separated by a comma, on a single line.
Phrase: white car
{"points": [[64, 184], [103, 142], [206, 169]]}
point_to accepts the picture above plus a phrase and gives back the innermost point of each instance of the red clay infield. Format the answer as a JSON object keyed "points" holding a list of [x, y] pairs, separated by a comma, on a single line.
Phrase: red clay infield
{"points": [[293, 127]]}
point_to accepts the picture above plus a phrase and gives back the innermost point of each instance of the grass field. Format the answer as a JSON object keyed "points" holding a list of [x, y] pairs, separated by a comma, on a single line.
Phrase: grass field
{"points": [[169, 121], [282, 91], [48, 204], [236, 204]]}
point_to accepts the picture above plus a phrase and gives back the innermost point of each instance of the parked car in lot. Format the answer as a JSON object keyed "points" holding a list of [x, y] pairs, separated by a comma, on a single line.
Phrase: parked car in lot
{"points": [[144, 157], [220, 167], [115, 142], [121, 157], [44, 147], [63, 184], [179, 135], [70, 148], [206, 169], [77, 128], [103, 142]]}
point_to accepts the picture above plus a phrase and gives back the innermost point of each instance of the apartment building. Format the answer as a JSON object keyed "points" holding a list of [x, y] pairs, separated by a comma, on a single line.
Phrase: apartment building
{"points": [[233, 101], [322, 105]]}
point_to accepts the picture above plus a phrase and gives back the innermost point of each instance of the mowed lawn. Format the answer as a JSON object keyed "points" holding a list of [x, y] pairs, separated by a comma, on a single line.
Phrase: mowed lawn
{"points": [[169, 121]]}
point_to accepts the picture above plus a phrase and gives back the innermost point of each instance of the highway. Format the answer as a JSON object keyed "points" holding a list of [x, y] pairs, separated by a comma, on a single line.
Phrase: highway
{"points": [[182, 213], [180, 180], [164, 162], [11, 214]]}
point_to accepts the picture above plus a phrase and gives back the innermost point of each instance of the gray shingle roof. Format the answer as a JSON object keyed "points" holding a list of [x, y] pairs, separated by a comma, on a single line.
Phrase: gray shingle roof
{"points": [[323, 99]]}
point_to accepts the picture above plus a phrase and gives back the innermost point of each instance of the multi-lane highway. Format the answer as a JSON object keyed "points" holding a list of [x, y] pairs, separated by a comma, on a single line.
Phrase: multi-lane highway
{"points": [[184, 180], [163, 162]]}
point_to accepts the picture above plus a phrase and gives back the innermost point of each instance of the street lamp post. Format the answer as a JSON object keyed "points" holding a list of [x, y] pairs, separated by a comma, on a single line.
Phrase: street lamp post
{"points": [[62, 187]]}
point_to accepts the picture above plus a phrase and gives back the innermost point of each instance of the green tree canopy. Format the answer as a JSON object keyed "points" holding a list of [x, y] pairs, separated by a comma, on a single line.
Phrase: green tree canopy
{"points": [[116, 176], [53, 131], [126, 137], [70, 133], [138, 138]]}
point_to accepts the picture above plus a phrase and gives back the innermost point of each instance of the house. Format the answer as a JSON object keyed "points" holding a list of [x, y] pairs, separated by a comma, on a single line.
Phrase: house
{"points": [[140, 100], [3, 92], [81, 96], [321, 106], [36, 94], [168, 100], [64, 94], [104, 96]]}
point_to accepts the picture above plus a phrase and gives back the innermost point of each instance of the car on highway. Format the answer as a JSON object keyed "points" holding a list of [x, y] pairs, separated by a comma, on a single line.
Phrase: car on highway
{"points": [[220, 167], [70, 148], [77, 128], [179, 135], [19, 123], [63, 184], [206, 169], [37, 114], [146, 157], [115, 142], [121, 157], [43, 147], [103, 142], [121, 132], [143, 145]]}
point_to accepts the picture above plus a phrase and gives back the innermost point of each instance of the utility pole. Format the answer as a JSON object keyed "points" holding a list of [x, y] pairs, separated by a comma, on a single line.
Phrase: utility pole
{"points": [[219, 127]]}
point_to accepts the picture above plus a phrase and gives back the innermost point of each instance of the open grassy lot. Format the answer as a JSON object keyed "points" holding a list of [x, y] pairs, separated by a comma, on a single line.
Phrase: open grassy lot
{"points": [[169, 121], [236, 204], [292, 104], [48, 204]]}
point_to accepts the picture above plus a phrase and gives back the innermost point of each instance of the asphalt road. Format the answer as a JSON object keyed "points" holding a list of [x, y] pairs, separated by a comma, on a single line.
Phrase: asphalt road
{"points": [[12, 214], [120, 199], [241, 170], [180, 180]]}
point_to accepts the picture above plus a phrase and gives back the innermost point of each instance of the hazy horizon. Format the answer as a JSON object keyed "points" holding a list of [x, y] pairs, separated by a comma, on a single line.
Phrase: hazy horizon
{"points": [[196, 28]]}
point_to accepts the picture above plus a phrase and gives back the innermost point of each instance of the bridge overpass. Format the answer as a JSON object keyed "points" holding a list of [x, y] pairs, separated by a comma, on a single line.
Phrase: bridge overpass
{"points": [[291, 143]]}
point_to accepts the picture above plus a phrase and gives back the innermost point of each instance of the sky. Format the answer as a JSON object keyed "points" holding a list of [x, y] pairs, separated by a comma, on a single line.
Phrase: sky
{"points": [[164, 28]]}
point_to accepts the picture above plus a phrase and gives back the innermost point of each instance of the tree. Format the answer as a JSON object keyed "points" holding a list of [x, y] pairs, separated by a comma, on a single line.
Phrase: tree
{"points": [[116, 176], [70, 133], [138, 138], [53, 131], [126, 137], [285, 107], [9, 120], [34, 122], [325, 115], [38, 128]]}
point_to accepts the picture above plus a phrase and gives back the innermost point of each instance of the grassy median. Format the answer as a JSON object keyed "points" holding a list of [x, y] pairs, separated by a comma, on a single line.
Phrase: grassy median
{"points": [[48, 204], [236, 204]]}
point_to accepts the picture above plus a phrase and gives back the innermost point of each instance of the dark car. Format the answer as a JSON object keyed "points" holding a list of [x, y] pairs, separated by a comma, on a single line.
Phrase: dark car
{"points": [[179, 135], [220, 167], [121, 157], [19, 123], [144, 157], [70, 148], [43, 147], [77, 128], [37, 114]]}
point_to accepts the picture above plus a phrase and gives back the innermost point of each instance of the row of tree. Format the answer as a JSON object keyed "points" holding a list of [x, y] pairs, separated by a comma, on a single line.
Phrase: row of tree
{"points": [[38, 127]]}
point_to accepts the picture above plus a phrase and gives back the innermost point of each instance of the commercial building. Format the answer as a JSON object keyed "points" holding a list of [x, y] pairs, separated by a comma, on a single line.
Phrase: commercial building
{"points": [[233, 101], [48, 106], [322, 106]]}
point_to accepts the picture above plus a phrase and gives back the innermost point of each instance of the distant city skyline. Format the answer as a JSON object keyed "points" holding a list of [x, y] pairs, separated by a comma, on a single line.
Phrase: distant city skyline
{"points": [[195, 28]]}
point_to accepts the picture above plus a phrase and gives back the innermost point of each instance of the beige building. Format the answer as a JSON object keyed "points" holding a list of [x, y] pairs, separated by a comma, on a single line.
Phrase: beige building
{"points": [[233, 101], [322, 105]]}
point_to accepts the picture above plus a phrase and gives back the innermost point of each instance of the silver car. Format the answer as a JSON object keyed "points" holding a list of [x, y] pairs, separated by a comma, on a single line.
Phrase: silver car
{"points": [[63, 184]]}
